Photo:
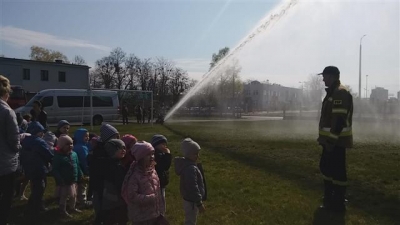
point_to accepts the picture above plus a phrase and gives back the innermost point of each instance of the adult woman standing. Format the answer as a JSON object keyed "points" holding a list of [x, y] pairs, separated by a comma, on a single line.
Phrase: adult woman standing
{"points": [[9, 148]]}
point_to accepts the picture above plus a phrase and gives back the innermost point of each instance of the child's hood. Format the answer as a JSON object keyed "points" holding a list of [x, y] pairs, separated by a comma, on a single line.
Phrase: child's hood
{"points": [[28, 141], [78, 136], [22, 136], [181, 163]]}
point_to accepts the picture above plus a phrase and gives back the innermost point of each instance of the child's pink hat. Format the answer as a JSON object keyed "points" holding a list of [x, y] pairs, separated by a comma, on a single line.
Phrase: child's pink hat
{"points": [[129, 141], [141, 150]]}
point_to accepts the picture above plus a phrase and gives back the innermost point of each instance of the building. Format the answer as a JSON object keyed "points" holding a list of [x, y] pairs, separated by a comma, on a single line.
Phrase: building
{"points": [[379, 94], [398, 95], [35, 76], [265, 96]]}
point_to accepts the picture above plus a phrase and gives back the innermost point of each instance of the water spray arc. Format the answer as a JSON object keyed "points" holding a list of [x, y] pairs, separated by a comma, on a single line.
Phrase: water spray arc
{"points": [[266, 23]]}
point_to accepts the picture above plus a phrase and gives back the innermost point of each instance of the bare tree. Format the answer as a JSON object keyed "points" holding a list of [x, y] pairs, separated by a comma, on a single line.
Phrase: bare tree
{"points": [[216, 57], [177, 83], [132, 63], [104, 70], [78, 60], [117, 58], [95, 80], [314, 87], [112, 70], [164, 69], [146, 71], [122, 72]]}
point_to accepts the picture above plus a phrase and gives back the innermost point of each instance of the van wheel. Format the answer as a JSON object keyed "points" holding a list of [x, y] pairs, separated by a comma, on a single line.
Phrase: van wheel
{"points": [[97, 120]]}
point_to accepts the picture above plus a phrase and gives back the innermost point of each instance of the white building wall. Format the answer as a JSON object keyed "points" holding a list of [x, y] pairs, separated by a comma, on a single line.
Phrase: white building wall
{"points": [[76, 76]]}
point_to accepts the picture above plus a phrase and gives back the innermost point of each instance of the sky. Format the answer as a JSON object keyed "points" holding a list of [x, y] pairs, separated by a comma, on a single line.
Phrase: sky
{"points": [[311, 35]]}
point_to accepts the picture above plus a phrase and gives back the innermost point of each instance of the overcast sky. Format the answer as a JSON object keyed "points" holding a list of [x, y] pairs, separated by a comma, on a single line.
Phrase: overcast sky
{"points": [[311, 35]]}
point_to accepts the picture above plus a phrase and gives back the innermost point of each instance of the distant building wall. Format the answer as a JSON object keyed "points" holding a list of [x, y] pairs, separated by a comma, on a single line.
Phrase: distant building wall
{"points": [[379, 94], [263, 96], [35, 76]]}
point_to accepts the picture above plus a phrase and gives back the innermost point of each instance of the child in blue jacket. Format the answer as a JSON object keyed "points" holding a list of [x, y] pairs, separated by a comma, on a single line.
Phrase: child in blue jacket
{"points": [[35, 159], [81, 139]]}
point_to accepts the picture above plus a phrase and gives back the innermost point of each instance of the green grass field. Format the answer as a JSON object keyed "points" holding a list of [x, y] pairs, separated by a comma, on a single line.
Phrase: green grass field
{"points": [[266, 172]]}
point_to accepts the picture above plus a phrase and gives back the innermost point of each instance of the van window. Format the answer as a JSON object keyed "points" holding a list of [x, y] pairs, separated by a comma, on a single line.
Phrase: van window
{"points": [[47, 101], [70, 101], [77, 101], [102, 101]]}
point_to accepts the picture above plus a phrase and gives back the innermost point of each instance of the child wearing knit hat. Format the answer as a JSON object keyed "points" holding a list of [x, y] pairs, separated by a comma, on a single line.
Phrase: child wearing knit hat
{"points": [[108, 132], [163, 160], [129, 141], [35, 158], [62, 128], [192, 185], [51, 140], [97, 158], [113, 208], [67, 173], [141, 187]]}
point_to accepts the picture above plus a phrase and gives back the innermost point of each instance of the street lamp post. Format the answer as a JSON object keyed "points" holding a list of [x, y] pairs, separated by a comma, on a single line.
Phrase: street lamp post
{"points": [[359, 79], [359, 69], [366, 86], [302, 97]]}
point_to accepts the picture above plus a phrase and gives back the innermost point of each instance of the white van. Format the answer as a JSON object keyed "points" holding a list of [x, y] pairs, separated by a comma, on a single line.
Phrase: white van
{"points": [[73, 105]]}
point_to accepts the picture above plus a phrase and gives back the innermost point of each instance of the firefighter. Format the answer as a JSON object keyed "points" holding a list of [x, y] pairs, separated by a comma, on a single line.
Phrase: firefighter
{"points": [[335, 135]]}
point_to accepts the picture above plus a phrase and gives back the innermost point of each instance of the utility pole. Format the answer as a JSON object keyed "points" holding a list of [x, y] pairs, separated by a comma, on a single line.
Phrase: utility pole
{"points": [[366, 86], [359, 79], [302, 97], [359, 69], [233, 94]]}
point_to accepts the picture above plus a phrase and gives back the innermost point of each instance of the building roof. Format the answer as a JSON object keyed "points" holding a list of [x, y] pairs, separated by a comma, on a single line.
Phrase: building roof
{"points": [[379, 88], [43, 62], [272, 86]]}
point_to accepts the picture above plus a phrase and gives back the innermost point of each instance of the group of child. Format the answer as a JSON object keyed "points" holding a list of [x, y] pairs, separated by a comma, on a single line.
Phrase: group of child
{"points": [[122, 178]]}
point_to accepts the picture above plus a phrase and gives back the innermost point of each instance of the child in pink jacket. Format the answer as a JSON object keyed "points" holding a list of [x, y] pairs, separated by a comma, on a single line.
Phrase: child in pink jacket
{"points": [[141, 189]]}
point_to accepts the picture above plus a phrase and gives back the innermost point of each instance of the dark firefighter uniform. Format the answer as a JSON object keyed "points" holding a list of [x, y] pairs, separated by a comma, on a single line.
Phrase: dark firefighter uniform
{"points": [[335, 135]]}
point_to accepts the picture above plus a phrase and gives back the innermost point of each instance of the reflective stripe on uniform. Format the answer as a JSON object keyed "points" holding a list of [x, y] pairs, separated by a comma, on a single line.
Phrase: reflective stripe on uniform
{"points": [[347, 131], [337, 182], [339, 110], [333, 136]]}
